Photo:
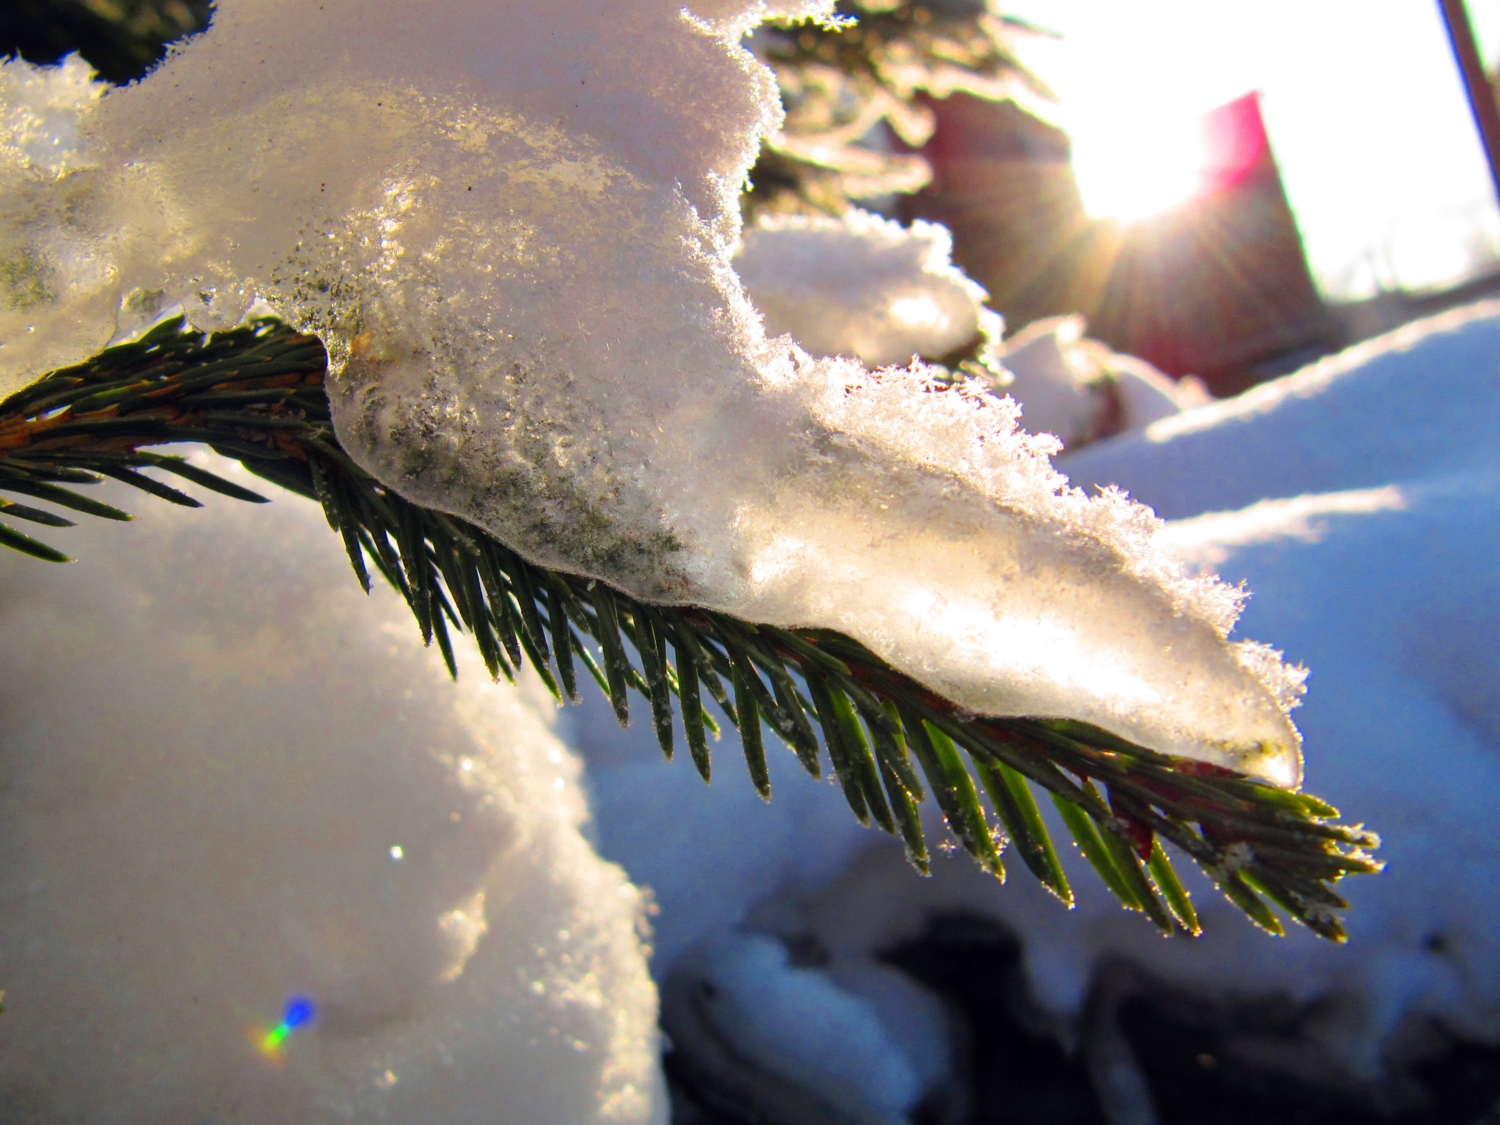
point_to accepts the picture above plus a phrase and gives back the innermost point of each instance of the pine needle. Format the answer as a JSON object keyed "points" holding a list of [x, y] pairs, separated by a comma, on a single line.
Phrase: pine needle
{"points": [[256, 394]]}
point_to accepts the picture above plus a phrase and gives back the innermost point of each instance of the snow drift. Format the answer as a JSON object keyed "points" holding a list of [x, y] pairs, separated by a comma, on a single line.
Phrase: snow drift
{"points": [[228, 779]]}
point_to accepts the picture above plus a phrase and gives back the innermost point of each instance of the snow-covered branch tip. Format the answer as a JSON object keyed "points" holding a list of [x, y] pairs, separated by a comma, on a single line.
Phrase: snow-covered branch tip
{"points": [[257, 394]]}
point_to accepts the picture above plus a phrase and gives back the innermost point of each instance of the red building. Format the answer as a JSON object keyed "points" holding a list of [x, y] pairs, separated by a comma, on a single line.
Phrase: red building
{"points": [[1216, 287]]}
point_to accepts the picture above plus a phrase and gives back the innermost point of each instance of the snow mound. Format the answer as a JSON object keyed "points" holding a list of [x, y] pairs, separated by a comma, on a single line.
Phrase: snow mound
{"points": [[862, 286], [1080, 391], [707, 853], [512, 223], [228, 780], [1413, 403], [858, 1044]]}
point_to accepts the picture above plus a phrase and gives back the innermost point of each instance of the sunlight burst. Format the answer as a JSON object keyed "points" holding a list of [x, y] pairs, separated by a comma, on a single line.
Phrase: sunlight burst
{"points": [[1134, 169]]}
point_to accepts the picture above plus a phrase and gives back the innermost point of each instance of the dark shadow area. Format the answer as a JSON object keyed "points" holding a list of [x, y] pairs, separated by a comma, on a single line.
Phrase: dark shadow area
{"points": [[1020, 1073], [121, 39], [1214, 1066], [1204, 1063]]}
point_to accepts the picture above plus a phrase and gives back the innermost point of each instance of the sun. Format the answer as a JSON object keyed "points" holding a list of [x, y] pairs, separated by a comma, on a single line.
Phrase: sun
{"points": [[1135, 168]]}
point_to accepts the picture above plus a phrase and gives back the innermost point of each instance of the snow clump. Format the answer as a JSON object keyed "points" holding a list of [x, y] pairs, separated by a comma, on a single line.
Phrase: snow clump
{"points": [[512, 223], [1081, 391], [862, 286], [229, 780]]}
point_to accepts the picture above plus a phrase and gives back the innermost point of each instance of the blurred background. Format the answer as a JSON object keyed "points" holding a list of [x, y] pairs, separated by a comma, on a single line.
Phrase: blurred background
{"points": [[1226, 189]]}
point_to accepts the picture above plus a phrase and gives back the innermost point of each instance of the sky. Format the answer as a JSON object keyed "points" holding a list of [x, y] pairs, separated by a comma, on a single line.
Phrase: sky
{"points": [[1363, 104]]}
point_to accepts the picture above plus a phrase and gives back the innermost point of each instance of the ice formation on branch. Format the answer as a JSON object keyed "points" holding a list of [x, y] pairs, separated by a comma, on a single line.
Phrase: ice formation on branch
{"points": [[512, 223], [1374, 560], [228, 778]]}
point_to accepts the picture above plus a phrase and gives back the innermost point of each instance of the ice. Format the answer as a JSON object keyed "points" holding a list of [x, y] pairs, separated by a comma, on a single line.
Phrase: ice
{"points": [[227, 779], [861, 286], [512, 223]]}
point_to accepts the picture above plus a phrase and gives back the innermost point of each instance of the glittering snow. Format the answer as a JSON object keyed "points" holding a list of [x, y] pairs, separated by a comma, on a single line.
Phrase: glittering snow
{"points": [[512, 223]]}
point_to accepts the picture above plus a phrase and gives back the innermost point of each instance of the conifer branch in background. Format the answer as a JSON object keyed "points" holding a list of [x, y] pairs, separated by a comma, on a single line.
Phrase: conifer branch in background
{"points": [[256, 394], [844, 85], [120, 39]]}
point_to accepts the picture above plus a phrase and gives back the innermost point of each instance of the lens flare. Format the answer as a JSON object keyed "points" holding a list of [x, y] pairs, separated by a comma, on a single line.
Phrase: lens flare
{"points": [[299, 1012]]}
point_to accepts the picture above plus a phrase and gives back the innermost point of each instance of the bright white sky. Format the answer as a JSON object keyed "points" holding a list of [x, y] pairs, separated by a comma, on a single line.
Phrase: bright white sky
{"points": [[1363, 102]]}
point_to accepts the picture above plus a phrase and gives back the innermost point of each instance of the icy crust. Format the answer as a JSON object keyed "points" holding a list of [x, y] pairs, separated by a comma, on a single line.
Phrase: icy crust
{"points": [[228, 778], [512, 223], [861, 286]]}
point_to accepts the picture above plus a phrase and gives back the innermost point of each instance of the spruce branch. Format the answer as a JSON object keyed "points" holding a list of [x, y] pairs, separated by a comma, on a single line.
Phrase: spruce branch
{"points": [[256, 394]]}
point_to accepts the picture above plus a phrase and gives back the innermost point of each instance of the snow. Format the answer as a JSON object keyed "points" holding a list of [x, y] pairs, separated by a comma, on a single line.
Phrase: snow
{"points": [[41, 107], [1079, 390], [227, 779], [1411, 404], [1368, 518], [1361, 499], [684, 455], [512, 224], [708, 853], [713, 479], [507, 189], [862, 286], [806, 1027]]}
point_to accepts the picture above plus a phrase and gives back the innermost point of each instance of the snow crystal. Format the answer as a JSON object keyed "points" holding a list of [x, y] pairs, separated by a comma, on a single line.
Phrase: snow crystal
{"points": [[861, 286], [512, 224], [229, 779]]}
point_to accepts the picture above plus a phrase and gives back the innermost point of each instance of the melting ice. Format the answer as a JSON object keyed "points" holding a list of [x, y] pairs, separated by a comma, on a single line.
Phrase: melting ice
{"points": [[513, 224]]}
